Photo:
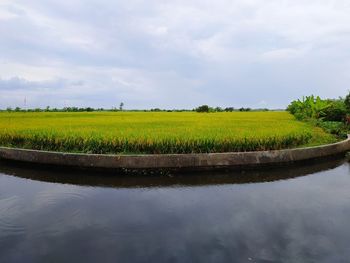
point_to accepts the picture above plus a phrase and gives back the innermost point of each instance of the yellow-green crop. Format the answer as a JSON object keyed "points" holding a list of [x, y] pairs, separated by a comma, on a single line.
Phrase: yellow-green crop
{"points": [[157, 132]]}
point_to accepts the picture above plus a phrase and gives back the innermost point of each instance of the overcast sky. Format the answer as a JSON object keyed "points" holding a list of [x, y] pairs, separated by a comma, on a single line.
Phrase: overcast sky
{"points": [[172, 54]]}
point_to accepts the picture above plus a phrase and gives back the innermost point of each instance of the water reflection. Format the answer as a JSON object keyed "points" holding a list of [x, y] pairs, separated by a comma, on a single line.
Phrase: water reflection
{"points": [[47, 216], [113, 179]]}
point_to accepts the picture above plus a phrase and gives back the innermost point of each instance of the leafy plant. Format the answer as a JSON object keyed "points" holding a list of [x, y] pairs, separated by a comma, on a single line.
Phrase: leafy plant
{"points": [[334, 127], [309, 107], [335, 112], [347, 102]]}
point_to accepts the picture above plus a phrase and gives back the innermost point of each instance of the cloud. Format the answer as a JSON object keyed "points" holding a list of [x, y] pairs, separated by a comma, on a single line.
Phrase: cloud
{"points": [[284, 53], [231, 53], [102, 87], [17, 83]]}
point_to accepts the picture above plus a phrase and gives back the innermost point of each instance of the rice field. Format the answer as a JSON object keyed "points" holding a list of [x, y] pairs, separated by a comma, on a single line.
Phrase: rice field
{"points": [[157, 132]]}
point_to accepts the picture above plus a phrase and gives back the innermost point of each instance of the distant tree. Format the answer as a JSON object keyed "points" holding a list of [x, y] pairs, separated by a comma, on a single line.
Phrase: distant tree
{"points": [[229, 109], [245, 109], [121, 105], [218, 109], [17, 109], [203, 108]]}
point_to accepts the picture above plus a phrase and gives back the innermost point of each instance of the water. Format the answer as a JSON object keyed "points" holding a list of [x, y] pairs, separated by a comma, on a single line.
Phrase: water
{"points": [[299, 214]]}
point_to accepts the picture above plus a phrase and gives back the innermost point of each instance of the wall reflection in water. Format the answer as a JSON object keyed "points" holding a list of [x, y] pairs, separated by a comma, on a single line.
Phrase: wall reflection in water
{"points": [[294, 214]]}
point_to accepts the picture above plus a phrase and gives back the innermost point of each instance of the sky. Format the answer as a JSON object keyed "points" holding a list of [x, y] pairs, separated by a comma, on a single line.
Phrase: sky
{"points": [[172, 54]]}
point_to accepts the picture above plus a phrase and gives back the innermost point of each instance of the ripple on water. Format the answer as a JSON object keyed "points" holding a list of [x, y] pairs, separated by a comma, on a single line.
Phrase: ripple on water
{"points": [[59, 194], [67, 202], [10, 210]]}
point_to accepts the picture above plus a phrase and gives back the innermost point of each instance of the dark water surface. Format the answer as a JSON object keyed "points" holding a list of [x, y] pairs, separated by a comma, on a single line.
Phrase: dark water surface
{"points": [[299, 214]]}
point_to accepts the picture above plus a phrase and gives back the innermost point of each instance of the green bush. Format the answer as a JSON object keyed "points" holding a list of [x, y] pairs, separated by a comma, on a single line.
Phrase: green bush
{"points": [[347, 102], [331, 115], [335, 112], [334, 127], [310, 107]]}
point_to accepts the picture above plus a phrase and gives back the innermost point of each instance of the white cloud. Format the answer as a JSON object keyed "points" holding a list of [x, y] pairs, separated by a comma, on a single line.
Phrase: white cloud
{"points": [[5, 15], [284, 53], [177, 53]]}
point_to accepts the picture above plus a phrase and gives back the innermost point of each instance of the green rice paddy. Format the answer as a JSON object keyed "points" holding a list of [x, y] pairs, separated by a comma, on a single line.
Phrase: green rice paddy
{"points": [[157, 132]]}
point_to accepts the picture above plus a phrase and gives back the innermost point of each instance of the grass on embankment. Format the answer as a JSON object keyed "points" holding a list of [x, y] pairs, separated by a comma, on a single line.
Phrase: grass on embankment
{"points": [[157, 132]]}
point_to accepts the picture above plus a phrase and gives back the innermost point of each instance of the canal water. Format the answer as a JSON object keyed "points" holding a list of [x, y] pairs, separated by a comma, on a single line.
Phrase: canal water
{"points": [[293, 214]]}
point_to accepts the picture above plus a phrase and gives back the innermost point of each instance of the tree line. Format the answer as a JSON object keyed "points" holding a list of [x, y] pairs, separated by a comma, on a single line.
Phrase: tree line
{"points": [[201, 109]]}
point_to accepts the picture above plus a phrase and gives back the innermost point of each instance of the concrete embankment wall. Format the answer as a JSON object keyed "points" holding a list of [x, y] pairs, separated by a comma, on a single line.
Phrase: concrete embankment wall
{"points": [[175, 161]]}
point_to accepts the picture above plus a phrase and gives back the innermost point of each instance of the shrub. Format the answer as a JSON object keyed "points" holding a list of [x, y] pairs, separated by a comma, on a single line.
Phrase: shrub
{"points": [[334, 127], [335, 112], [310, 107], [347, 102]]}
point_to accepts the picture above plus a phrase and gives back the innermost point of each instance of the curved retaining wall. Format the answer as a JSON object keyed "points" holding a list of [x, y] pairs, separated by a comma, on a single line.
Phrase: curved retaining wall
{"points": [[175, 161]]}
